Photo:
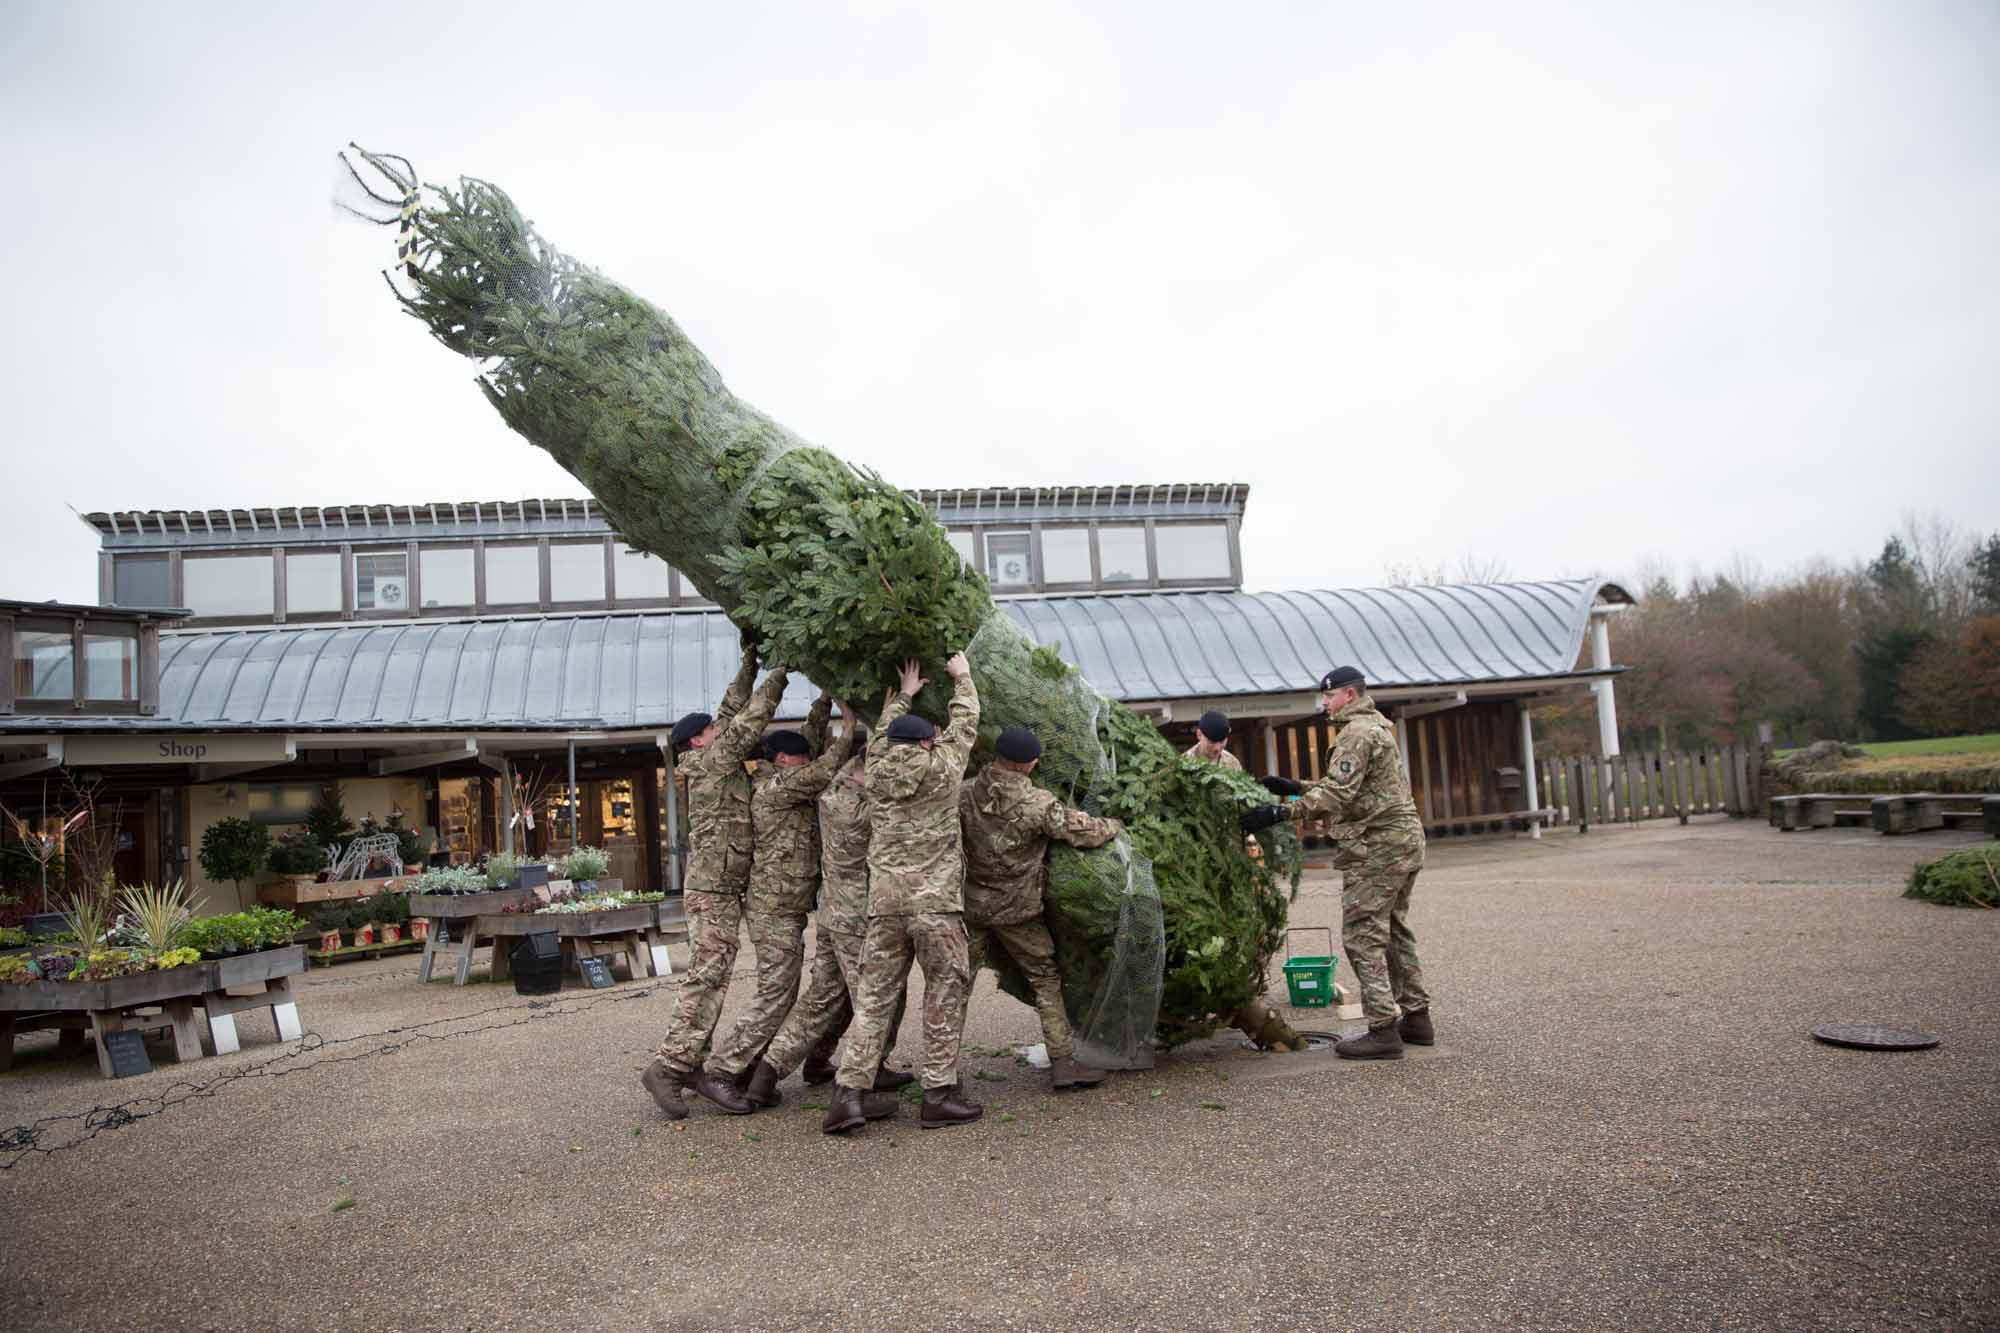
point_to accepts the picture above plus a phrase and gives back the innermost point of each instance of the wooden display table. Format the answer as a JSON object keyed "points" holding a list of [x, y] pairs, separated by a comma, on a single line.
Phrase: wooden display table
{"points": [[304, 890], [621, 933], [115, 1005], [450, 913]]}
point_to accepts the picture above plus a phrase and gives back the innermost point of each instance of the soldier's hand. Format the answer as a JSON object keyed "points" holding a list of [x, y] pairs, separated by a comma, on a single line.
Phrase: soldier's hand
{"points": [[957, 667], [1278, 786], [913, 677], [1262, 817]]}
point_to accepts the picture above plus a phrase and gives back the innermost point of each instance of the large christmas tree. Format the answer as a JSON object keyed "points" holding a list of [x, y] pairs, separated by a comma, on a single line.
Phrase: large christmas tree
{"points": [[1161, 936]]}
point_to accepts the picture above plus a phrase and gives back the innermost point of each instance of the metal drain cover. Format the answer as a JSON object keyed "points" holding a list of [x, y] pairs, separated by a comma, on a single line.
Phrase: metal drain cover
{"points": [[1874, 1037], [1315, 1041]]}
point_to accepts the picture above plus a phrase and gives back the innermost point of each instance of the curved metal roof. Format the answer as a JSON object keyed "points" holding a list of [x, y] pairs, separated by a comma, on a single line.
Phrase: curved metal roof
{"points": [[645, 669]]}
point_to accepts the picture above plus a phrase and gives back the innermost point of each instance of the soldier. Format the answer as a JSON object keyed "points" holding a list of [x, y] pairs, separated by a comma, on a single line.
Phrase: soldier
{"points": [[1007, 823], [711, 751], [1381, 848], [916, 900], [784, 881], [1212, 741], [825, 1009]]}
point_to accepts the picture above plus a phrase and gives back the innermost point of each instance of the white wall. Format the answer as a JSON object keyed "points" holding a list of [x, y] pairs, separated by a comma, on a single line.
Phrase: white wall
{"points": [[207, 803]]}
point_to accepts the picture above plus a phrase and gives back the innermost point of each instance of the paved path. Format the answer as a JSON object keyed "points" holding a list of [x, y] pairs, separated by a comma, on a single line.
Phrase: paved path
{"points": [[1624, 1124]]}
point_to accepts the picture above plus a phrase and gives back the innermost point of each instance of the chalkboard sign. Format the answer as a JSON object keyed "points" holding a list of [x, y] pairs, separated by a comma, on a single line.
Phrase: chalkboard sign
{"points": [[596, 972], [127, 1050]]}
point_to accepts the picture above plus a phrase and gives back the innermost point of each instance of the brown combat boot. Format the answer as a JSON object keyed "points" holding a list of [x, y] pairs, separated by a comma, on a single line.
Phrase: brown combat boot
{"points": [[892, 1080], [1067, 1073], [1376, 1044], [818, 1070], [762, 1089], [665, 1086], [724, 1093], [1415, 1028], [877, 1105], [947, 1106], [844, 1112]]}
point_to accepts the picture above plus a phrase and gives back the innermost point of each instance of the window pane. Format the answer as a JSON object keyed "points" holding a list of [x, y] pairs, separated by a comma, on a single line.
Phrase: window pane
{"points": [[1192, 550], [43, 664], [228, 585], [641, 575], [576, 572], [282, 802], [382, 581], [110, 666], [513, 574], [446, 576], [1007, 559], [1121, 554], [1065, 555], [961, 542], [312, 583], [140, 580]]}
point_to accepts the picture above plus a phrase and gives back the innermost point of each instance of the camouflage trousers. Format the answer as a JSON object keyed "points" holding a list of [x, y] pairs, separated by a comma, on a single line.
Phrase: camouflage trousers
{"points": [[1375, 931], [1029, 944], [714, 930], [826, 1008], [779, 939], [935, 942]]}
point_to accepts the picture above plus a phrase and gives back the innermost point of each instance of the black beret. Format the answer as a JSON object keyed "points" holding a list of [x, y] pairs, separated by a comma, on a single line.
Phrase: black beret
{"points": [[691, 726], [910, 727], [1339, 676], [786, 742], [1214, 724], [1018, 745]]}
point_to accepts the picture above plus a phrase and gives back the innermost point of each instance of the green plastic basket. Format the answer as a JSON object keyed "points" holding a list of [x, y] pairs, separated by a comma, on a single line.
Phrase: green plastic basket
{"points": [[1309, 977]]}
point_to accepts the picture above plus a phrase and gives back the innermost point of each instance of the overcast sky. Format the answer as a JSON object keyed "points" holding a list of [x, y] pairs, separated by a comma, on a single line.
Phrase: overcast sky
{"points": [[1563, 287]]}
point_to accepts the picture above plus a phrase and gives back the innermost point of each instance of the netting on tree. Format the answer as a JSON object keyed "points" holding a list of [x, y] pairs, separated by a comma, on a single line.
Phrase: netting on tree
{"points": [[842, 576]]}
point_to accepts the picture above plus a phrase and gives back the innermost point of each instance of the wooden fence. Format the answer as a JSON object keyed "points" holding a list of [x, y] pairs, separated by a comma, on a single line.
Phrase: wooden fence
{"points": [[1650, 784]]}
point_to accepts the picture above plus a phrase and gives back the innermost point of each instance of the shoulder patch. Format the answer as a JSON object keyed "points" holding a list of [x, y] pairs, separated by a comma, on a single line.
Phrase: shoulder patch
{"points": [[1344, 765]]}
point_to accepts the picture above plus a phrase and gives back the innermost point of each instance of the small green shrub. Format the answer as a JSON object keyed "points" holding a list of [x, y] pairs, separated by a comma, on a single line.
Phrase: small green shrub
{"points": [[297, 853], [234, 849], [503, 869], [586, 863], [1969, 878]]}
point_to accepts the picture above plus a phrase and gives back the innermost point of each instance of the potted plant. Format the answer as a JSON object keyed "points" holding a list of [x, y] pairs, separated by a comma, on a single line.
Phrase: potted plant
{"points": [[234, 849], [504, 869], [584, 867], [158, 916], [297, 856]]}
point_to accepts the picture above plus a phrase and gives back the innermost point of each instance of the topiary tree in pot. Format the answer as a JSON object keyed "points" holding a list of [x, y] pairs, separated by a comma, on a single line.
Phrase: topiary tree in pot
{"points": [[235, 850]]}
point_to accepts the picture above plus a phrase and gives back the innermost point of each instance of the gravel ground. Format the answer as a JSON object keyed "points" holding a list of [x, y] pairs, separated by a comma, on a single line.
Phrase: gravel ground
{"points": [[1624, 1124]]}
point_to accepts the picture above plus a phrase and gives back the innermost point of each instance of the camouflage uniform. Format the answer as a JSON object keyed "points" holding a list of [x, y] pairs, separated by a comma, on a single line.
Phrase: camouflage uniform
{"points": [[784, 882], [1227, 758], [1007, 823], [718, 871], [916, 904], [1367, 798], [826, 1008]]}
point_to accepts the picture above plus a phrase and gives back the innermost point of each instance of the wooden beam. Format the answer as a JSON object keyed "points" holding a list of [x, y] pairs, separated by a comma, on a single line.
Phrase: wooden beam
{"points": [[403, 763]]}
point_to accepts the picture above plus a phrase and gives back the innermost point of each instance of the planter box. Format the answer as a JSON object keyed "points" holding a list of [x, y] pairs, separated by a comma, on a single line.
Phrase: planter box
{"points": [[117, 993], [453, 906], [571, 923], [296, 890], [248, 969]]}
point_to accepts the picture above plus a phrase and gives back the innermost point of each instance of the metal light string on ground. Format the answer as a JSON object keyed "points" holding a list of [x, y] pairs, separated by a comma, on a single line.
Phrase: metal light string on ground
{"points": [[23, 1141]]}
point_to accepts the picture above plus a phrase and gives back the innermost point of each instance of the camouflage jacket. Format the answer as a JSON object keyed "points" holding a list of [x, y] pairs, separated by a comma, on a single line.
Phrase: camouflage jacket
{"points": [[784, 819], [1364, 793], [916, 859], [1007, 822], [1226, 759], [843, 855], [719, 844]]}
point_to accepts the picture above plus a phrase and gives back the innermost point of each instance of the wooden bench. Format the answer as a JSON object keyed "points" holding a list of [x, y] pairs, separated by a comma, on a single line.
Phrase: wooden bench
{"points": [[1912, 812]]}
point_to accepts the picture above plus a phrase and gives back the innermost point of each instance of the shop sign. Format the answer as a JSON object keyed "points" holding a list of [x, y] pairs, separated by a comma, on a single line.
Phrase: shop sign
{"points": [[177, 749]]}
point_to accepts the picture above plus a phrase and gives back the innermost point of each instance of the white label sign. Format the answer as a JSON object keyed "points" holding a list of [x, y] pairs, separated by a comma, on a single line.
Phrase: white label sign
{"points": [[176, 749]]}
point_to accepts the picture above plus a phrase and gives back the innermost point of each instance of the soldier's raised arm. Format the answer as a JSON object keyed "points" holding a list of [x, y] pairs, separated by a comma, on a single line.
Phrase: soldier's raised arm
{"points": [[1075, 827], [819, 724], [1346, 766], [740, 737], [738, 692], [962, 728], [817, 776]]}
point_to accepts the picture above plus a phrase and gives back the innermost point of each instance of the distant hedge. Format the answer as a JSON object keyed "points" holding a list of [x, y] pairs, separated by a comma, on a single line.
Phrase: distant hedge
{"points": [[1969, 878]]}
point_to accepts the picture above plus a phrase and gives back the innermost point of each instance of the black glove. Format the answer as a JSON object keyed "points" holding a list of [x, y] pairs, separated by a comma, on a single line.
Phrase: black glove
{"points": [[1262, 817], [1282, 786]]}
